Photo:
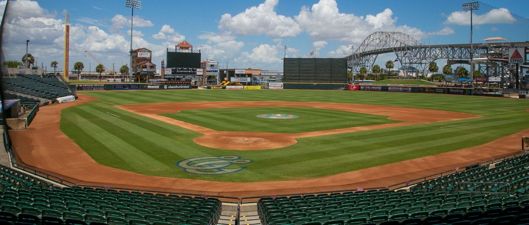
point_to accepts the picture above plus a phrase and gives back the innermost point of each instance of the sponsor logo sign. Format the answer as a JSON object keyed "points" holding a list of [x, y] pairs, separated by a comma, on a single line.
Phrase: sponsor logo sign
{"points": [[275, 85], [240, 79], [254, 87], [177, 86], [232, 87], [213, 165]]}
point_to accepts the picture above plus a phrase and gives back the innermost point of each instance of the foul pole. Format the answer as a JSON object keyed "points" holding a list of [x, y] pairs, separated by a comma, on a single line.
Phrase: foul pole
{"points": [[66, 46]]}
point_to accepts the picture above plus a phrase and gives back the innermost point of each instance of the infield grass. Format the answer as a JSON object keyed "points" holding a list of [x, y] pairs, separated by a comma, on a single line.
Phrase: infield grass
{"points": [[128, 141], [245, 119]]}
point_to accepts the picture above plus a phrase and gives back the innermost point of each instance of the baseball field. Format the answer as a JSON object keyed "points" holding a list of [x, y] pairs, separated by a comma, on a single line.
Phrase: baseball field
{"points": [[160, 133]]}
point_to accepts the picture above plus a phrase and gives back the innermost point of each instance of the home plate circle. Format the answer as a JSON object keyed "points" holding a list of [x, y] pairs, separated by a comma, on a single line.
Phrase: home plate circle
{"points": [[277, 116]]}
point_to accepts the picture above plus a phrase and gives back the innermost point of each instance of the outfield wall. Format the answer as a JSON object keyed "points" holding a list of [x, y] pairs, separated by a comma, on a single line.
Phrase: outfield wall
{"points": [[95, 87], [316, 86], [435, 90]]}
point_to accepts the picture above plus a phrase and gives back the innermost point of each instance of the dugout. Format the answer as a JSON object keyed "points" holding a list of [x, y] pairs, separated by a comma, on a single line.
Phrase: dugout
{"points": [[315, 70]]}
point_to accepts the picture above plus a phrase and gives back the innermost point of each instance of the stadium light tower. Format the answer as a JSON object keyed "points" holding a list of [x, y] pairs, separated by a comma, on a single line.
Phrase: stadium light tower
{"points": [[132, 4], [471, 6]]}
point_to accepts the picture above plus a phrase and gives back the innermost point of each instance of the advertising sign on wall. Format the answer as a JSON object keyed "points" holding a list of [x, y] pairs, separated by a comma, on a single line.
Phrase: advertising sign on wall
{"points": [[144, 54], [240, 71], [200, 71], [275, 85], [241, 79]]}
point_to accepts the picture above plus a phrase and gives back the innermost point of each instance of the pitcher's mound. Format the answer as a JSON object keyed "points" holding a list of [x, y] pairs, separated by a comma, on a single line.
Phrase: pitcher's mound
{"points": [[245, 140]]}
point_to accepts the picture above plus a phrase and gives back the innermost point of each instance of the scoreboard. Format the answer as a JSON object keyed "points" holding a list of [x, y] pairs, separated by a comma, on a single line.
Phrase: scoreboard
{"points": [[315, 70]]}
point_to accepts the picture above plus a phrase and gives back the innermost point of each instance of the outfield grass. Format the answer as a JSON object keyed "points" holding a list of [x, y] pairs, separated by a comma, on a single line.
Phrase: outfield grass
{"points": [[125, 140], [404, 82], [245, 119]]}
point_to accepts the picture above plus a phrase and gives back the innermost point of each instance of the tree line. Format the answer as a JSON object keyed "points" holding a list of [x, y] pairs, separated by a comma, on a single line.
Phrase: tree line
{"points": [[376, 70]]}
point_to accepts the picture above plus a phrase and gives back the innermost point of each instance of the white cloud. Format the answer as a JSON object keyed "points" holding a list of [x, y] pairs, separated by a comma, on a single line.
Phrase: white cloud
{"points": [[29, 21], [317, 46], [261, 19], [443, 32], [264, 53], [167, 29], [383, 19], [220, 46], [168, 34], [119, 22], [341, 51], [494, 16], [324, 21]]}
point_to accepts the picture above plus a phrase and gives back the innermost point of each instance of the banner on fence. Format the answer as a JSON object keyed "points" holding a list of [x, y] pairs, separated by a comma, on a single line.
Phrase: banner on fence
{"points": [[275, 85]]}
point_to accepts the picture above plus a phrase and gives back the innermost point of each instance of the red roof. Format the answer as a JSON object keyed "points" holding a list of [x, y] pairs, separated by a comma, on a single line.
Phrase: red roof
{"points": [[184, 45]]}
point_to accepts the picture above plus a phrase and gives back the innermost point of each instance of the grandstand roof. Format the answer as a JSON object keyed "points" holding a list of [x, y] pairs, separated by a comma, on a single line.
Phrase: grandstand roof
{"points": [[184, 45]]}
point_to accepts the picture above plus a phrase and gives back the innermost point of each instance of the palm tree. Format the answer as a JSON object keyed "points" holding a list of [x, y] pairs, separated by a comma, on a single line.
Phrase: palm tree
{"points": [[28, 60], [78, 66], [124, 70], [100, 69], [433, 68], [53, 65], [376, 70], [461, 71], [363, 72], [447, 69], [389, 66]]}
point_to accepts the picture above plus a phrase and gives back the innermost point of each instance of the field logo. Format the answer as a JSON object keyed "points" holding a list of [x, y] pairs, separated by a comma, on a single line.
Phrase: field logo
{"points": [[213, 165], [277, 116]]}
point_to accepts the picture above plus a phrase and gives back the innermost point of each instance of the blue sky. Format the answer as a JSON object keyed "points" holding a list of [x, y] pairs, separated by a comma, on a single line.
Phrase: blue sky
{"points": [[247, 33]]}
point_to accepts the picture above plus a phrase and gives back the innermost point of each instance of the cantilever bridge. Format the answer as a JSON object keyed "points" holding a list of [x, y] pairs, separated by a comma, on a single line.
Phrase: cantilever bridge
{"points": [[409, 52]]}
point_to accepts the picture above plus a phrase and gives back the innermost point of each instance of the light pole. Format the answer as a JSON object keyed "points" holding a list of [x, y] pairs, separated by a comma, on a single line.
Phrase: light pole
{"points": [[27, 46], [471, 6], [132, 4]]}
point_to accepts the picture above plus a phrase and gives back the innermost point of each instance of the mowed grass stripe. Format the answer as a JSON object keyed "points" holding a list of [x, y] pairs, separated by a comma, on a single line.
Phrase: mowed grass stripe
{"points": [[343, 146], [163, 143], [115, 142], [100, 152], [156, 148], [376, 156]]}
